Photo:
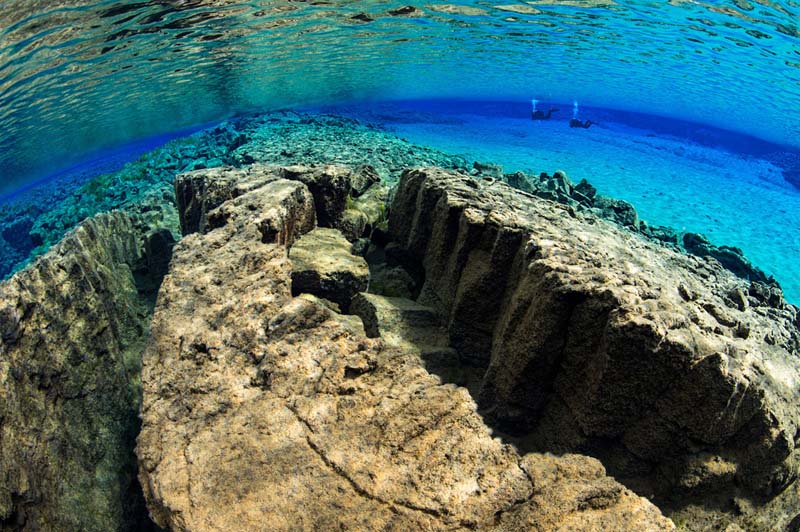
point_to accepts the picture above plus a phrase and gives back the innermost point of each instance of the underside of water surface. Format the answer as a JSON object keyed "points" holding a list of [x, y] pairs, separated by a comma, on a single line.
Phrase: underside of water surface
{"points": [[79, 75]]}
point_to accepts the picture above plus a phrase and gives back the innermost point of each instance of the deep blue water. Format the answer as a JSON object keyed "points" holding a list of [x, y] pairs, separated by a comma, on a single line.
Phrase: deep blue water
{"points": [[101, 161], [692, 177]]}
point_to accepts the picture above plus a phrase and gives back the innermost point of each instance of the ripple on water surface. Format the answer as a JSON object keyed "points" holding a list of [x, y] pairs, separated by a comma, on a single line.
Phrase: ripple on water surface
{"points": [[76, 75]]}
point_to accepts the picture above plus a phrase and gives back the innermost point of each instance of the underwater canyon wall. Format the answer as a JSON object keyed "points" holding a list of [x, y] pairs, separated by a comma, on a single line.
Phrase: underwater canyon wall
{"points": [[73, 328], [680, 376]]}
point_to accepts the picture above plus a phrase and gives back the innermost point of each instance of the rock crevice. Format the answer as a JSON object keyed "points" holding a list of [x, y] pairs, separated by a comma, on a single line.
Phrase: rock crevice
{"points": [[595, 340], [74, 325], [299, 421]]}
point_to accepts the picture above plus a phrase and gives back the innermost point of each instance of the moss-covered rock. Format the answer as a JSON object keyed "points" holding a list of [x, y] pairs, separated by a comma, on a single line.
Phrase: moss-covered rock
{"points": [[73, 328]]}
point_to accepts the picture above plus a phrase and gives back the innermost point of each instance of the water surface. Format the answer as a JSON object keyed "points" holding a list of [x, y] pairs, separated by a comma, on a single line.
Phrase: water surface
{"points": [[76, 75]]}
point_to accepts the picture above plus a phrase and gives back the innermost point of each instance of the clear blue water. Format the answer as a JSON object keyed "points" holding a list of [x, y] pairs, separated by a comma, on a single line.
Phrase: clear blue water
{"points": [[697, 101], [78, 74], [729, 186]]}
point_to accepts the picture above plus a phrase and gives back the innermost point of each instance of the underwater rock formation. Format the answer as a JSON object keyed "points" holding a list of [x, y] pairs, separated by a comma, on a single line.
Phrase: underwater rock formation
{"points": [[663, 365], [584, 197], [731, 258], [72, 329], [265, 408], [264, 411]]}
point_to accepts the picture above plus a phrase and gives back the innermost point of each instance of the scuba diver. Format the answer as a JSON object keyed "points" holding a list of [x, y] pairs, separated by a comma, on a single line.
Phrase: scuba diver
{"points": [[575, 122], [539, 114]]}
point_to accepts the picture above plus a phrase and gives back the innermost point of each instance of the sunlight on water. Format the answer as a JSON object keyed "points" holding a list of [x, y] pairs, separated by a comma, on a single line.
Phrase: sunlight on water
{"points": [[80, 77], [77, 74]]}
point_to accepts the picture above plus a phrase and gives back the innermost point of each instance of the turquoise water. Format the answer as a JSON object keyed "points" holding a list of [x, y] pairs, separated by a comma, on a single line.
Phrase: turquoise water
{"points": [[695, 179], [696, 102], [76, 75]]}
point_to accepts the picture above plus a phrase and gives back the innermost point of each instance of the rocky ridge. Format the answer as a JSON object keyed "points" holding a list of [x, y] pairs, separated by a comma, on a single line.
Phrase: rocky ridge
{"points": [[72, 329], [264, 411], [583, 197], [573, 335]]}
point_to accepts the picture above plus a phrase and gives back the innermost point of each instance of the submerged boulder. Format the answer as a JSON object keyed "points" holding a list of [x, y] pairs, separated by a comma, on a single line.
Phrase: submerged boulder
{"points": [[199, 192], [519, 181], [594, 339], [617, 210], [362, 179], [492, 170], [731, 258], [264, 411], [365, 213], [328, 184]]}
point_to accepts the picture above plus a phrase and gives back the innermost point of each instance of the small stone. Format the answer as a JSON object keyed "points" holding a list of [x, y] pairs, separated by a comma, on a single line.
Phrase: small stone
{"points": [[362, 17], [488, 170], [405, 10], [586, 189], [519, 181]]}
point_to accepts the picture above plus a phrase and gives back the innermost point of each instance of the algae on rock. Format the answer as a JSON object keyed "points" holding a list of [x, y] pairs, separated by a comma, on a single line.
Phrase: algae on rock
{"points": [[73, 329]]}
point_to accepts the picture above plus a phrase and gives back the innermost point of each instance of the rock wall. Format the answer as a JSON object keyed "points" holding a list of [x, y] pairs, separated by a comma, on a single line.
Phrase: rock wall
{"points": [[72, 329], [264, 411], [680, 376], [583, 197], [202, 191]]}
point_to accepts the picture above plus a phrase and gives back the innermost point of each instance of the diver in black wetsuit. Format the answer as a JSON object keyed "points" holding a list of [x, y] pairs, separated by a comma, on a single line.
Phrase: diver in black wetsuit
{"points": [[574, 122], [541, 115]]}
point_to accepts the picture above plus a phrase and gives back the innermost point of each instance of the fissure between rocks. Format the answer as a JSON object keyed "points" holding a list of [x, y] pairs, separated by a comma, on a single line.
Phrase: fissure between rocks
{"points": [[442, 276]]}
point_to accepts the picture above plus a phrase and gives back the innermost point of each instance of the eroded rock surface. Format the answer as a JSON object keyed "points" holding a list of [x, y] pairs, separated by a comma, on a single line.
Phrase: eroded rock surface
{"points": [[72, 329], [323, 265], [679, 375], [200, 192], [584, 197], [267, 412]]}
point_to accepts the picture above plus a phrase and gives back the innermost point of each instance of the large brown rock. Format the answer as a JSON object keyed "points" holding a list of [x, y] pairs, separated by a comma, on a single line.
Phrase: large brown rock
{"points": [[267, 412], [330, 186], [594, 339], [199, 192], [365, 213], [72, 328]]}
